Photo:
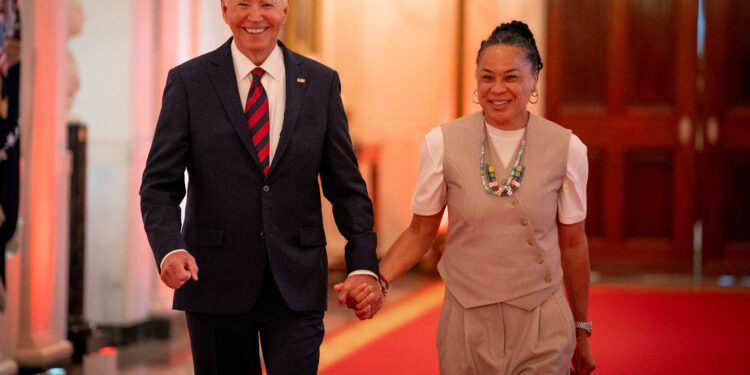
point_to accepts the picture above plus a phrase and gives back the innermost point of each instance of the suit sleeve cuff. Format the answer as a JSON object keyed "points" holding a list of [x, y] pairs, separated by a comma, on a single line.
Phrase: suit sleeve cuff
{"points": [[363, 272]]}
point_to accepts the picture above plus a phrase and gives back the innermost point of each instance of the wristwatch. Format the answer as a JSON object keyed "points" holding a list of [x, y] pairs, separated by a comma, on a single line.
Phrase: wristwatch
{"points": [[384, 285], [586, 326]]}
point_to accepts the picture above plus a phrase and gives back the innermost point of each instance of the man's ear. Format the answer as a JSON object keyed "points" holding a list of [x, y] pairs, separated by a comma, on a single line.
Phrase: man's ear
{"points": [[224, 10], [285, 4]]}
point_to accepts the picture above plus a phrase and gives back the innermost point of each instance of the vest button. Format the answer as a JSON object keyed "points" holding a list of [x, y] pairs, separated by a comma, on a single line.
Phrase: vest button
{"points": [[266, 188], [540, 260], [525, 222], [548, 279], [531, 242]]}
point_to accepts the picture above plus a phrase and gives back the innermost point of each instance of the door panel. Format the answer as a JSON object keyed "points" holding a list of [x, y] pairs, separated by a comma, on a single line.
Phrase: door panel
{"points": [[645, 169], [585, 84], [725, 202], [651, 25], [622, 76]]}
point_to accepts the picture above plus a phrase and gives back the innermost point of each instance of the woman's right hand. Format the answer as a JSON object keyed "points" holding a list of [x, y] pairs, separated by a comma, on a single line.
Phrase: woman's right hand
{"points": [[583, 359]]}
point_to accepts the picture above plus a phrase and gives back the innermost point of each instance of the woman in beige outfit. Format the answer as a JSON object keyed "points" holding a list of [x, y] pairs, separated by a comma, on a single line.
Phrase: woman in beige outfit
{"points": [[515, 188]]}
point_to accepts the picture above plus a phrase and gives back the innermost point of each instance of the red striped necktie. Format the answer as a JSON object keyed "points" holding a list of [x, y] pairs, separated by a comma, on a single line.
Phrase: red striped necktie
{"points": [[256, 114]]}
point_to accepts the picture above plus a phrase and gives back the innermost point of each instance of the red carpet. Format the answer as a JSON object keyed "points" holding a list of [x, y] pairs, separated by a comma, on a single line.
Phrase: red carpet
{"points": [[636, 331]]}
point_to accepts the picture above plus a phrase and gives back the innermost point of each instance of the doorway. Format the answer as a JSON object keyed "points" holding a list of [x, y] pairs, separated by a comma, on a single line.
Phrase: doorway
{"points": [[659, 93]]}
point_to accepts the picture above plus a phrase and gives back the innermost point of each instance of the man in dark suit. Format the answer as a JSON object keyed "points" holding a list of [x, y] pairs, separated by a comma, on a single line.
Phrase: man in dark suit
{"points": [[255, 125]]}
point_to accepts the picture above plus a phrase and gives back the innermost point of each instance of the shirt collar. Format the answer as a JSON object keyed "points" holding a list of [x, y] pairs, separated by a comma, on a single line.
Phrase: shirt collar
{"points": [[500, 133], [274, 64]]}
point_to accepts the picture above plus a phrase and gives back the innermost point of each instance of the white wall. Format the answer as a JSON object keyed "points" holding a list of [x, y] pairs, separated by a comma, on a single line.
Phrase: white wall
{"points": [[213, 31], [103, 51], [396, 67]]}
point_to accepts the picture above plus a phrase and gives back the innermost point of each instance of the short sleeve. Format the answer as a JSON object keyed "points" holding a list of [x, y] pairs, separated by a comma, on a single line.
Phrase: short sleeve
{"points": [[430, 192], [571, 203]]}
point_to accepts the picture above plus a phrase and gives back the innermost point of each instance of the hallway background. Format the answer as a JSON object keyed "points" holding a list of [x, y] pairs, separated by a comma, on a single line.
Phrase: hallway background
{"points": [[657, 90]]}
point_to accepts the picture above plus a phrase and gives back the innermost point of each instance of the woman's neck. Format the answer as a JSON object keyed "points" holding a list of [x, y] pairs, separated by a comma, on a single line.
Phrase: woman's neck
{"points": [[519, 122]]}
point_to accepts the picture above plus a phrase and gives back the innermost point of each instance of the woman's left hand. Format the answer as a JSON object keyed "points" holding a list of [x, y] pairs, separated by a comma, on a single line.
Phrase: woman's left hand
{"points": [[583, 360]]}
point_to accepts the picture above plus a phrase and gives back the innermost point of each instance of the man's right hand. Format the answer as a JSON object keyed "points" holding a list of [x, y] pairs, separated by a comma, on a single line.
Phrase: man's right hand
{"points": [[178, 268]]}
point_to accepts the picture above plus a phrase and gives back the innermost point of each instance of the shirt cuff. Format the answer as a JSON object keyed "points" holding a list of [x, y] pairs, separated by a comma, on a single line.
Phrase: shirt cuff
{"points": [[161, 265], [364, 272]]}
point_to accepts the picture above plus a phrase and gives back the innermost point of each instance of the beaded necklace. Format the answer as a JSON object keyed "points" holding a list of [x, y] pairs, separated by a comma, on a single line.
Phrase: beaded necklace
{"points": [[487, 170]]}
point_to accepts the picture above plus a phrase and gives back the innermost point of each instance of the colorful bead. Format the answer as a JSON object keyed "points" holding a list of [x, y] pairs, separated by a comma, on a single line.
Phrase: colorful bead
{"points": [[488, 175]]}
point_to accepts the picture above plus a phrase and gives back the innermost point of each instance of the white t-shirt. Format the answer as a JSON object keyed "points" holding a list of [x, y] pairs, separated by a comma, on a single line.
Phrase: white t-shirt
{"points": [[430, 193]]}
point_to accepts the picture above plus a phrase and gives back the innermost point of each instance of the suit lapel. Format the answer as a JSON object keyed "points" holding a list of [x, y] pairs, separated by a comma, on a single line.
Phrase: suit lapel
{"points": [[296, 79], [221, 73]]}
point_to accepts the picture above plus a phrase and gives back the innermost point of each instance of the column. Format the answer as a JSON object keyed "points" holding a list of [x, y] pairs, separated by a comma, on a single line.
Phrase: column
{"points": [[44, 187]]}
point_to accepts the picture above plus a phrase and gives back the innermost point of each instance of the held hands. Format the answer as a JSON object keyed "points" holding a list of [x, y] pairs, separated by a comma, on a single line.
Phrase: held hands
{"points": [[583, 360], [178, 268], [362, 294]]}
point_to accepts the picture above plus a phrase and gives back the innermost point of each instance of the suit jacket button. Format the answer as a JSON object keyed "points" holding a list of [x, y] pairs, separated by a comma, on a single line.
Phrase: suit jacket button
{"points": [[266, 188], [548, 279], [262, 235]]}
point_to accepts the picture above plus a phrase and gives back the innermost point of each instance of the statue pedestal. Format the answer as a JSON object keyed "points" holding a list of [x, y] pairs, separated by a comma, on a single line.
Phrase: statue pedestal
{"points": [[43, 351]]}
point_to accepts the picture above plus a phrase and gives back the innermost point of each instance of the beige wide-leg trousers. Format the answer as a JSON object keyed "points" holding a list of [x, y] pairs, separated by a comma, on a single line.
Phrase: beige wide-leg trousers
{"points": [[501, 339]]}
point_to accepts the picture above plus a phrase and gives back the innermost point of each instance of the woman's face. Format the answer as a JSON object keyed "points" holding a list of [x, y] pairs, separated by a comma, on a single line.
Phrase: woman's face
{"points": [[505, 79]]}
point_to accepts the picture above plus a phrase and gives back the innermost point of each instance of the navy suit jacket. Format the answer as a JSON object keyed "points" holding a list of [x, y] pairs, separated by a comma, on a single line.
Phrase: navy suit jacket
{"points": [[239, 223]]}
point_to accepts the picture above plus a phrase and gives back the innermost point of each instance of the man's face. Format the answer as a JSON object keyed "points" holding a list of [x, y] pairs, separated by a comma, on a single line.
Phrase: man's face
{"points": [[255, 25]]}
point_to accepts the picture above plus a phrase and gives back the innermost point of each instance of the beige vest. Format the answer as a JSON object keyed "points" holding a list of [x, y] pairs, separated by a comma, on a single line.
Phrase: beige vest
{"points": [[503, 249]]}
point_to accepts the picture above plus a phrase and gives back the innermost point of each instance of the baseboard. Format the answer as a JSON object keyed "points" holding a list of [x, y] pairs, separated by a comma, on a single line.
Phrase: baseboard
{"points": [[156, 328]]}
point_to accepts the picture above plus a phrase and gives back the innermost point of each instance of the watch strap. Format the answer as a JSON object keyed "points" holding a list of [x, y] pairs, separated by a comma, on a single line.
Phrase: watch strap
{"points": [[384, 284], [586, 326]]}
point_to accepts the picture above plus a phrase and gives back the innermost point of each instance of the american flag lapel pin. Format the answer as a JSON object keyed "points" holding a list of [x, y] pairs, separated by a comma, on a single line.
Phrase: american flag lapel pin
{"points": [[300, 80]]}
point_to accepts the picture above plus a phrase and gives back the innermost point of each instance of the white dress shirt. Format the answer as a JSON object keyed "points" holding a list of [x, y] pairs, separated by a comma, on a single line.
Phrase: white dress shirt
{"points": [[274, 82]]}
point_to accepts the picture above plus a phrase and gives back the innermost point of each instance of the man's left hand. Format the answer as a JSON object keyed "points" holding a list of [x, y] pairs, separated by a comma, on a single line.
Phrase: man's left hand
{"points": [[362, 294]]}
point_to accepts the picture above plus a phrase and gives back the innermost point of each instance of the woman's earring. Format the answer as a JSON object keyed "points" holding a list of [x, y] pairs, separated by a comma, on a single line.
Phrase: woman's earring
{"points": [[475, 96], [534, 97]]}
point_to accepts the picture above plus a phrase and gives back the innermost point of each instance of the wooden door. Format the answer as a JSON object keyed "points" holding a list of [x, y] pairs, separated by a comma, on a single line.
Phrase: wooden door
{"points": [[622, 75], [725, 167]]}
